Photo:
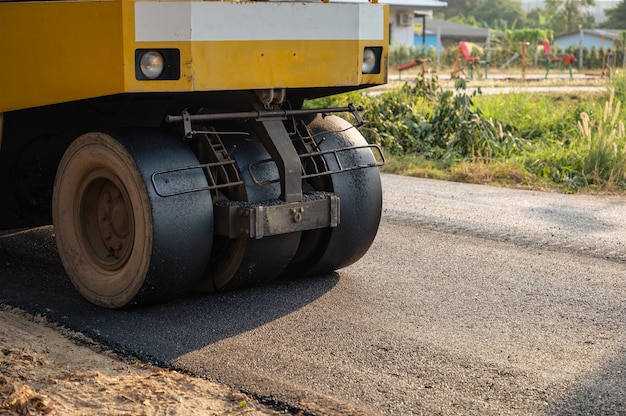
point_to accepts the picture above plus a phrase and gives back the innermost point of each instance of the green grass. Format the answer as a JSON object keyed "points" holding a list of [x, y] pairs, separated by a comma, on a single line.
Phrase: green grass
{"points": [[570, 142], [505, 173]]}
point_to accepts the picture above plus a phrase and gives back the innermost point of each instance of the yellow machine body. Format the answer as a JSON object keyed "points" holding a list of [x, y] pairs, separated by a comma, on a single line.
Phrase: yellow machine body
{"points": [[169, 143], [60, 51]]}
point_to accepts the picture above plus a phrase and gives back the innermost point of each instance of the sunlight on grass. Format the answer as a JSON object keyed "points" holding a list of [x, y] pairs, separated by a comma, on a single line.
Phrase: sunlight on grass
{"points": [[568, 141], [501, 173]]}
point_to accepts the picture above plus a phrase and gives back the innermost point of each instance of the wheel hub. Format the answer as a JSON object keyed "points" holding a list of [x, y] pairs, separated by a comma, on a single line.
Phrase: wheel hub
{"points": [[106, 215]]}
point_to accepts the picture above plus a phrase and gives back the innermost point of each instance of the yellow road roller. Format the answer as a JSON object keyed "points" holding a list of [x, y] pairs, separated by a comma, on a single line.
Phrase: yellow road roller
{"points": [[169, 144]]}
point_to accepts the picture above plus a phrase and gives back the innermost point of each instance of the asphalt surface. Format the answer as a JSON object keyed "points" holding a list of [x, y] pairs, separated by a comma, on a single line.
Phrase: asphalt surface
{"points": [[472, 300]]}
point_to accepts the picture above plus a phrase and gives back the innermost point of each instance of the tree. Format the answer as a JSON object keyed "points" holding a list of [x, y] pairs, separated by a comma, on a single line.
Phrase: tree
{"points": [[463, 8], [499, 14], [567, 15], [616, 17], [536, 18], [495, 14]]}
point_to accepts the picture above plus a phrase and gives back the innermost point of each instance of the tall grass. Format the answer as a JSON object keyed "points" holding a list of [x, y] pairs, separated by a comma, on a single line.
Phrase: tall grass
{"points": [[618, 82], [604, 147], [569, 142], [543, 117]]}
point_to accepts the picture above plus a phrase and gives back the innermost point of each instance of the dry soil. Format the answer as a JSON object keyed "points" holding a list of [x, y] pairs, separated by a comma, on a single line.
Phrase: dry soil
{"points": [[47, 370]]}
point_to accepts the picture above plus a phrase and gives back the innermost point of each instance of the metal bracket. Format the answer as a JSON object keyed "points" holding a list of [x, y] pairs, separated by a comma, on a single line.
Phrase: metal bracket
{"points": [[263, 114], [343, 164], [276, 140], [357, 116], [178, 181], [318, 210], [272, 97], [187, 124], [269, 126]]}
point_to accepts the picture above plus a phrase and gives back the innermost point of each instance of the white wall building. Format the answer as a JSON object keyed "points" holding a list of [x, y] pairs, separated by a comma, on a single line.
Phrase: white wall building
{"points": [[402, 19]]}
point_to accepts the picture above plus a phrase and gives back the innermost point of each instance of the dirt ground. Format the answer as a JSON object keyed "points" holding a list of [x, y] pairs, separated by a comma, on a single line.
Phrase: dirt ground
{"points": [[46, 370]]}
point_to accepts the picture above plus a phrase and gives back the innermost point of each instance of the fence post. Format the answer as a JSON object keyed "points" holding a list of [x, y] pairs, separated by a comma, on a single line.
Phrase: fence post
{"points": [[439, 47], [623, 34], [580, 50]]}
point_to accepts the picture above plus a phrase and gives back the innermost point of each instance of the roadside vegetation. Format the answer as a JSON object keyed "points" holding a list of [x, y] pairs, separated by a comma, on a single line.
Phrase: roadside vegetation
{"points": [[569, 142]]}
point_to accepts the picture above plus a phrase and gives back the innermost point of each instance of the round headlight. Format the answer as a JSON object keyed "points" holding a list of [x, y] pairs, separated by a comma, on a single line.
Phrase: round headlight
{"points": [[152, 64], [369, 61]]}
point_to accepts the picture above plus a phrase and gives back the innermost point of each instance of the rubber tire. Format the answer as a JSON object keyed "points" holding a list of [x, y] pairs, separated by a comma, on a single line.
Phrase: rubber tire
{"points": [[360, 194], [168, 238], [250, 262]]}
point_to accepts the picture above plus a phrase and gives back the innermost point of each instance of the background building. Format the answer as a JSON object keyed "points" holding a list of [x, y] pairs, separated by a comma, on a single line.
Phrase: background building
{"points": [[450, 33], [402, 18], [598, 38]]}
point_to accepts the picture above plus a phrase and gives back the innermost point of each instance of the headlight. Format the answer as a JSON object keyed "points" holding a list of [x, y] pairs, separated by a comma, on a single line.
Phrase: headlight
{"points": [[152, 64], [371, 60]]}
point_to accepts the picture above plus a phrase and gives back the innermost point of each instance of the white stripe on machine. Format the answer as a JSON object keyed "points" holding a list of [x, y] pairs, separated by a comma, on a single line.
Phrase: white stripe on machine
{"points": [[224, 21]]}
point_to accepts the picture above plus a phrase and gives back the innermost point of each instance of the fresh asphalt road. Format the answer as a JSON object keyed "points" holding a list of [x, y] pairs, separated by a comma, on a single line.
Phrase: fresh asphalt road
{"points": [[472, 300]]}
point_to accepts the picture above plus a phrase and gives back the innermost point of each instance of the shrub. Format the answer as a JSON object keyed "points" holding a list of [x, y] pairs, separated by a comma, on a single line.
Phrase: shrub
{"points": [[568, 141]]}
